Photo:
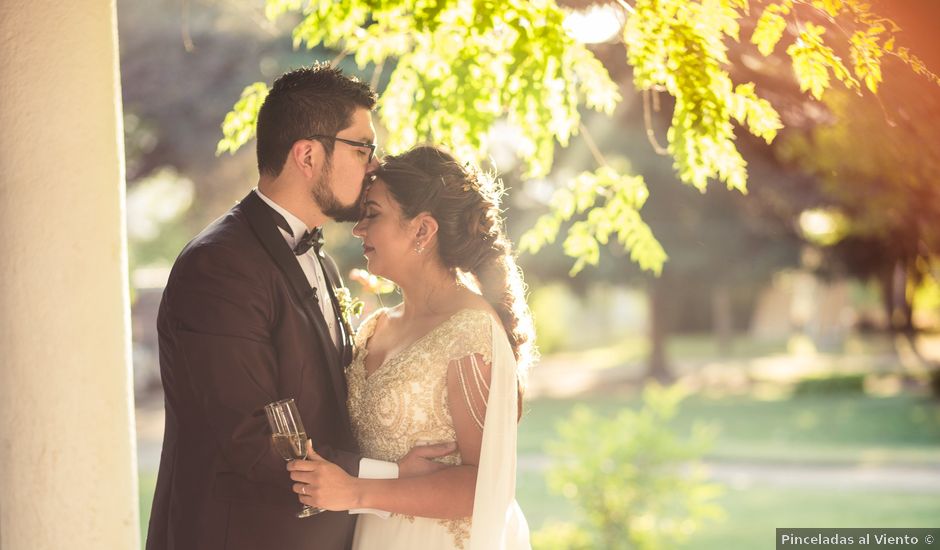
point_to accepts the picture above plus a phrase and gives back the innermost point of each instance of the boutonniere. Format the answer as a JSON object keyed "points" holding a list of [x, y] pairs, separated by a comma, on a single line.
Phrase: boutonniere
{"points": [[353, 307], [349, 307]]}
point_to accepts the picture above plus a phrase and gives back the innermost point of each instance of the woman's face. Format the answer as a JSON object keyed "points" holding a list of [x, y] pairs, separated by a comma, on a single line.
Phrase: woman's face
{"points": [[387, 239]]}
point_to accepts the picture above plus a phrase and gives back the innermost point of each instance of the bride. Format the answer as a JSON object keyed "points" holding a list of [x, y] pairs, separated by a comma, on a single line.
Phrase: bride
{"points": [[447, 364]]}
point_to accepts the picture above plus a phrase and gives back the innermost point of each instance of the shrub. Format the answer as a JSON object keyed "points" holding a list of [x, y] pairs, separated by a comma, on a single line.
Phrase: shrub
{"points": [[635, 483], [831, 384], [935, 383]]}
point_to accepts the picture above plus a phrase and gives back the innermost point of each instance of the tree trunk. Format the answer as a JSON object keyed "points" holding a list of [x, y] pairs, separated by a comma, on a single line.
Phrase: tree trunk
{"points": [[722, 319], [658, 366], [898, 301], [886, 284], [907, 283]]}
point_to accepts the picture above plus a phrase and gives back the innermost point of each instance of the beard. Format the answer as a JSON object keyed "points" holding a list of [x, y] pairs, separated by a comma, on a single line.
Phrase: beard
{"points": [[330, 205]]}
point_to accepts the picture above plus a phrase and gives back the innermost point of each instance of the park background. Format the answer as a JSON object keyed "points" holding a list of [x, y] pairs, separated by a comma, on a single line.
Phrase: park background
{"points": [[796, 326]]}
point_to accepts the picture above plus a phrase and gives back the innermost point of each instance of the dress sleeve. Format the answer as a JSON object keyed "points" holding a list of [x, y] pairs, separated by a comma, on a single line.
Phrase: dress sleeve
{"points": [[469, 378], [485, 361], [367, 329], [468, 375]]}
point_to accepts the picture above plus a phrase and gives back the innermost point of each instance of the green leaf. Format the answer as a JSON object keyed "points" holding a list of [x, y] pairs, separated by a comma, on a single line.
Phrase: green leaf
{"points": [[743, 5], [544, 232], [832, 7], [889, 45], [866, 58], [813, 60], [459, 67], [612, 202], [239, 124], [769, 30], [757, 113], [276, 8]]}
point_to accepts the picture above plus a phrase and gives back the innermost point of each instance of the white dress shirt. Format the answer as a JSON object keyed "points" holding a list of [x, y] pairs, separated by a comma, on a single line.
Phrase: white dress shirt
{"points": [[368, 468], [310, 266]]}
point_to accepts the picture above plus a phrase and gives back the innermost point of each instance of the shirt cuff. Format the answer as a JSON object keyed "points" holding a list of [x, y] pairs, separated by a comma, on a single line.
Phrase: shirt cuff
{"points": [[376, 469], [369, 468]]}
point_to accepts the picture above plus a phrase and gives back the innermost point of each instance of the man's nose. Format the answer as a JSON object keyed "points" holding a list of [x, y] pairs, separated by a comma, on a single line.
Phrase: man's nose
{"points": [[374, 163]]}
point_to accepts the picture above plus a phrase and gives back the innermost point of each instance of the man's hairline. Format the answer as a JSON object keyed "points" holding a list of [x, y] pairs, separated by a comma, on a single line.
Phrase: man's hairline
{"points": [[363, 138], [356, 105]]}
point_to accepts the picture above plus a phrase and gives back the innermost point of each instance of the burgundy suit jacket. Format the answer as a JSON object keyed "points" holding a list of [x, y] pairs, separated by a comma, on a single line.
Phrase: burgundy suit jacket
{"points": [[239, 327]]}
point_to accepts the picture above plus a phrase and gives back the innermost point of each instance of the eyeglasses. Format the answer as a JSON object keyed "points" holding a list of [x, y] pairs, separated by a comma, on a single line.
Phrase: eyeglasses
{"points": [[370, 146]]}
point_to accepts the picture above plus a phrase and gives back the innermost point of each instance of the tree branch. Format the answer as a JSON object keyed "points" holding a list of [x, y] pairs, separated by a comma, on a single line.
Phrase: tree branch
{"points": [[592, 146], [648, 121]]}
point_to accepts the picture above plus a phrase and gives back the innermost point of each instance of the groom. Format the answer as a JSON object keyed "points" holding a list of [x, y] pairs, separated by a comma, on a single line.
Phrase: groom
{"points": [[250, 316]]}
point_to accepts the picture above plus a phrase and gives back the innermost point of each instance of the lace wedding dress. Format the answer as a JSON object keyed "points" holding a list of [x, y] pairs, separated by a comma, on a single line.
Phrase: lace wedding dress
{"points": [[404, 403]]}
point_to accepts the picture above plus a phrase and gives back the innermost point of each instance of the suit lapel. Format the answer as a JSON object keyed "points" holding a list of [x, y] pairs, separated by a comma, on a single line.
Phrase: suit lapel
{"points": [[346, 341], [262, 223]]}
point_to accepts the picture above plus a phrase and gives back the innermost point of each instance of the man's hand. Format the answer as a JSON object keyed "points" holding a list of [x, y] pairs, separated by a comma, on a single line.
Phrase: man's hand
{"points": [[419, 460], [320, 483]]}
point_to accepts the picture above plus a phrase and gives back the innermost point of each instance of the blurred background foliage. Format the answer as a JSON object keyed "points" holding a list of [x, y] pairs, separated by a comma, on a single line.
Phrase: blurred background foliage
{"points": [[800, 318], [645, 490]]}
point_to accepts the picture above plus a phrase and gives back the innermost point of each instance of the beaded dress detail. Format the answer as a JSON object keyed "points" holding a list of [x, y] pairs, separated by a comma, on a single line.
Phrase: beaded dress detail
{"points": [[404, 402]]}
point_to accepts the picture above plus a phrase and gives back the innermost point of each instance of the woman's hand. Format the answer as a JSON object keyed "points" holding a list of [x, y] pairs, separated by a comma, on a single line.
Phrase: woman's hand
{"points": [[420, 459], [320, 483]]}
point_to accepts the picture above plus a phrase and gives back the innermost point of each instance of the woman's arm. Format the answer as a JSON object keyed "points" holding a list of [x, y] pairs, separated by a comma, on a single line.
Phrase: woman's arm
{"points": [[445, 494]]}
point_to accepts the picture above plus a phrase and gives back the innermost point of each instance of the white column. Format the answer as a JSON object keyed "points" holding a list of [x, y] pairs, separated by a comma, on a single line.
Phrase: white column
{"points": [[67, 460]]}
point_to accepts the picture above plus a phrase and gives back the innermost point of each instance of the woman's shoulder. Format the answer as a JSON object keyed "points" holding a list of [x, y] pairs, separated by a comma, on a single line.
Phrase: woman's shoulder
{"points": [[481, 318], [475, 307], [475, 316], [368, 326], [470, 331]]}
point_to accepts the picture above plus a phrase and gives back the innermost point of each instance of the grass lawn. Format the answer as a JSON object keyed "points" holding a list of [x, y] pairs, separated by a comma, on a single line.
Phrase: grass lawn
{"points": [[752, 514], [146, 481], [704, 347], [809, 429], [806, 429], [812, 428]]}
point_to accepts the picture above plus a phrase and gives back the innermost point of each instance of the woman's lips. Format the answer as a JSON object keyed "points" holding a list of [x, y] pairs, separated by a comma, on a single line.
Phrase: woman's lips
{"points": [[367, 249]]}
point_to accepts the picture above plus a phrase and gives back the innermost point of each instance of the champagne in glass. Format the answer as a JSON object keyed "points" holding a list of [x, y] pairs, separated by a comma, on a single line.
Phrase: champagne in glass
{"points": [[290, 446], [289, 437]]}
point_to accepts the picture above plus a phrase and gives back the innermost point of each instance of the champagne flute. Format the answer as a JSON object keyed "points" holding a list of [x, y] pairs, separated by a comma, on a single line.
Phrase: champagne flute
{"points": [[289, 437]]}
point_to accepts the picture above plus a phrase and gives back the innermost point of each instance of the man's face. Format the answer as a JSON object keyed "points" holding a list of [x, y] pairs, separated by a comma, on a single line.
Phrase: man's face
{"points": [[340, 185]]}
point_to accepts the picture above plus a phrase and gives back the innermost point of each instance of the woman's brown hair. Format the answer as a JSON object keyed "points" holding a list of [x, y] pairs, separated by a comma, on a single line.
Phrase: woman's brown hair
{"points": [[471, 237]]}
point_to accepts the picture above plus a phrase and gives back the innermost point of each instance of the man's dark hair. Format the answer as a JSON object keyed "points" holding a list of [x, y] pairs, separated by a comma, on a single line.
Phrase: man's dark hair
{"points": [[304, 102]]}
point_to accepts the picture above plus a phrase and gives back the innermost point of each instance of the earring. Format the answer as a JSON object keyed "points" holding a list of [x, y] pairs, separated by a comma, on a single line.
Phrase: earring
{"points": [[418, 248]]}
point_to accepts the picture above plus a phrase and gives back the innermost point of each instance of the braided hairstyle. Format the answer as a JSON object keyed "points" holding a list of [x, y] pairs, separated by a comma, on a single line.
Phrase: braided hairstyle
{"points": [[471, 237]]}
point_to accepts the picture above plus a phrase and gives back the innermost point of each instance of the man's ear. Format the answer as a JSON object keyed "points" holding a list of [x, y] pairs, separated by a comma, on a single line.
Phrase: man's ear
{"points": [[306, 156], [426, 228]]}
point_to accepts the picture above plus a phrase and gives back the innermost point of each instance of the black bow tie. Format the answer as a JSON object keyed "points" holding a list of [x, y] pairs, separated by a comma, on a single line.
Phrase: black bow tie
{"points": [[309, 239]]}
